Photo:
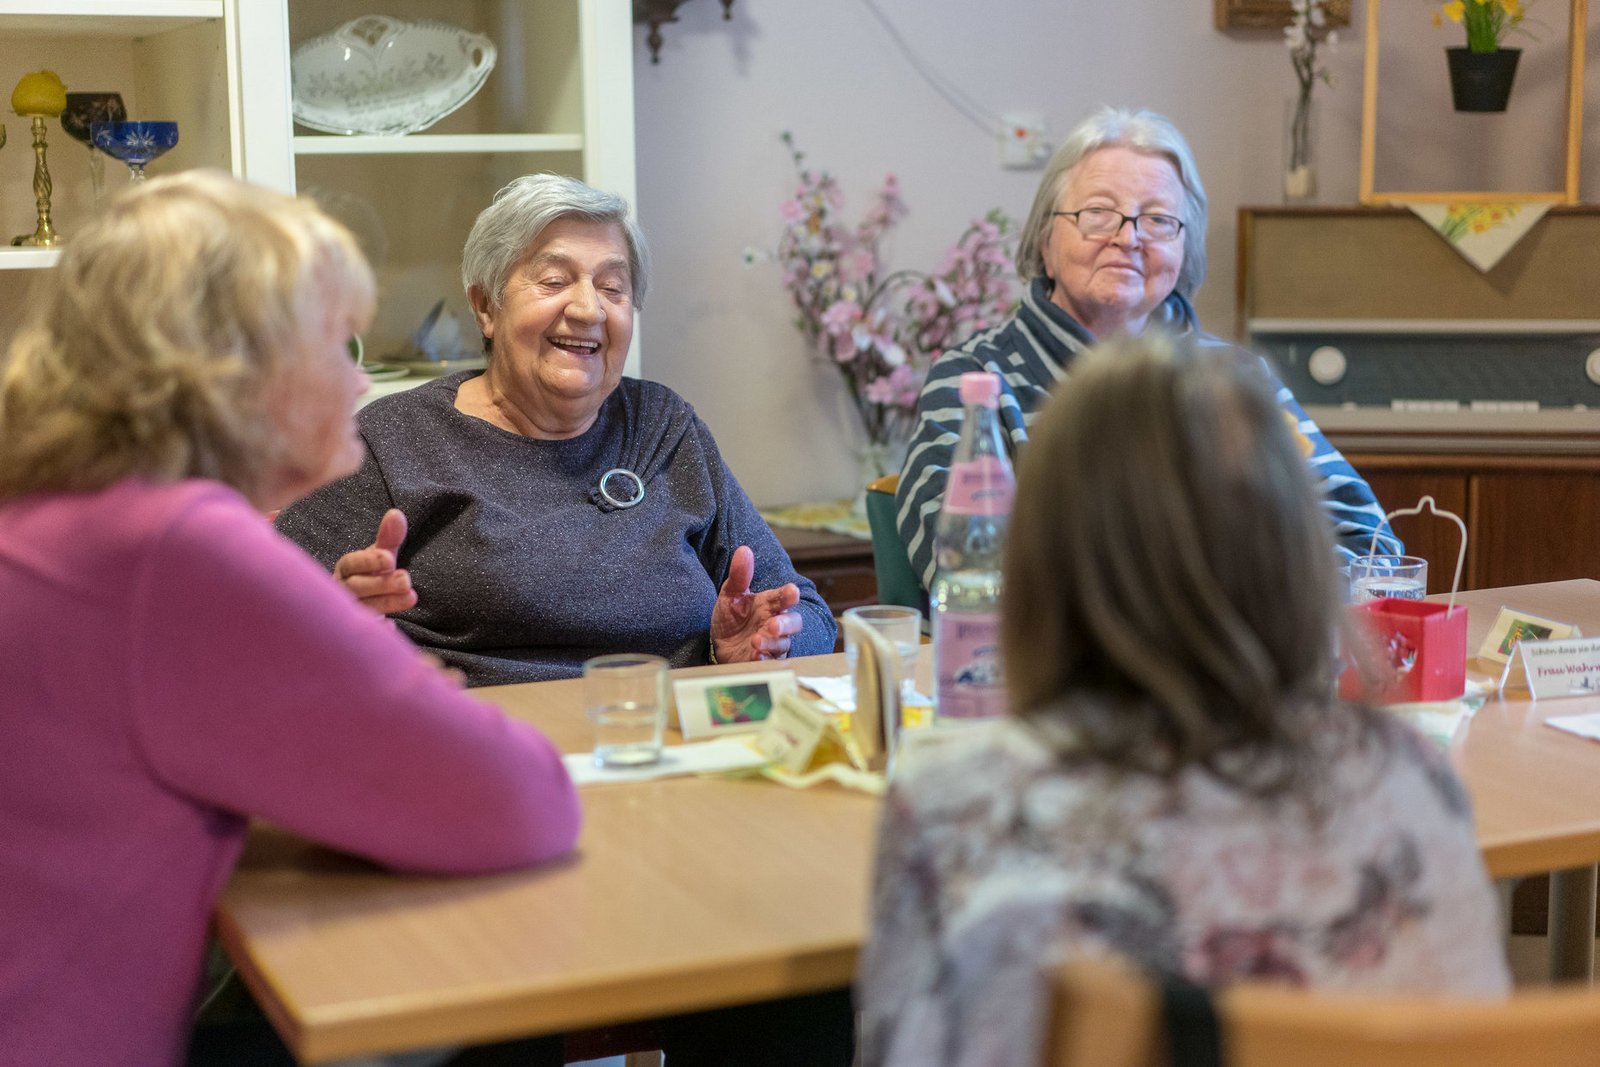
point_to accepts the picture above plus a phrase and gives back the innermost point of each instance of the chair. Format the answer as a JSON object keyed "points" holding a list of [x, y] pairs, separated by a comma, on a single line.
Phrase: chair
{"points": [[897, 582], [1106, 1015]]}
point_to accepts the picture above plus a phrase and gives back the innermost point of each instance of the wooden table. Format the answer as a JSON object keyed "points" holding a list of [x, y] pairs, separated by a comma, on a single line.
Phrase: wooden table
{"points": [[691, 893], [684, 894], [1536, 790]]}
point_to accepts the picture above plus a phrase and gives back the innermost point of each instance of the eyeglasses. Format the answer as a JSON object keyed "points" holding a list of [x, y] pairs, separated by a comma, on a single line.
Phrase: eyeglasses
{"points": [[1103, 222]]}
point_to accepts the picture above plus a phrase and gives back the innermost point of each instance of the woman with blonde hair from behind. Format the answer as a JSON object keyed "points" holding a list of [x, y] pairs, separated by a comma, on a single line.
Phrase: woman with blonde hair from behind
{"points": [[171, 666], [1177, 782]]}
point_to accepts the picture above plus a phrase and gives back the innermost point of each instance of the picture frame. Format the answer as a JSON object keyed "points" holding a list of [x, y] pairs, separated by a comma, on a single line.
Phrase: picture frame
{"points": [[1268, 14], [1577, 32], [1511, 625], [715, 704]]}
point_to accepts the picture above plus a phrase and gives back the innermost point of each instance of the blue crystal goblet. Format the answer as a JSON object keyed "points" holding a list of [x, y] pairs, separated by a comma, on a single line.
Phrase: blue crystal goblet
{"points": [[134, 143]]}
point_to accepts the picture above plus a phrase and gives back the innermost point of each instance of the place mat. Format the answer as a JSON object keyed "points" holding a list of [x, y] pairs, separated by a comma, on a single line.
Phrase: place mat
{"points": [[1440, 719], [699, 757], [834, 516]]}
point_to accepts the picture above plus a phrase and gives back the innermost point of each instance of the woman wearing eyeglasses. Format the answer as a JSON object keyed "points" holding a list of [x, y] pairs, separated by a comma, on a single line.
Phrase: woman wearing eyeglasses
{"points": [[1114, 244]]}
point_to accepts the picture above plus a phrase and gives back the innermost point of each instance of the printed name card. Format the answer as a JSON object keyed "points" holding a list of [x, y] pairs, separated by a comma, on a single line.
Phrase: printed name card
{"points": [[1569, 667]]}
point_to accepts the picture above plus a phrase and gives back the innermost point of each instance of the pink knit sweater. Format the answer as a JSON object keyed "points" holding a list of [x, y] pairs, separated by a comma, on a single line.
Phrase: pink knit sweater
{"points": [[170, 666]]}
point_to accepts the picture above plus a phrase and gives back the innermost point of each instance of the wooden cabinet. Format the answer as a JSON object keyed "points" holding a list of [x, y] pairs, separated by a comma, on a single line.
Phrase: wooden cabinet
{"points": [[841, 566], [1530, 518]]}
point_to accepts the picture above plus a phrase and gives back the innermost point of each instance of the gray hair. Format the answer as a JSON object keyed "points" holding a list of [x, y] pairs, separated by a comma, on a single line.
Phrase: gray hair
{"points": [[1115, 127], [519, 213]]}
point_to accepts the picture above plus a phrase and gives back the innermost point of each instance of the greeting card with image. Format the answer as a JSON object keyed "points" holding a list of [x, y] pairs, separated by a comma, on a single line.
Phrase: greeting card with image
{"points": [[1512, 626], [728, 703]]}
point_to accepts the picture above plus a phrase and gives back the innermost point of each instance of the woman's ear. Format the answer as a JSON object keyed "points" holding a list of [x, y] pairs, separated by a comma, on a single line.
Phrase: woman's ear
{"points": [[482, 311]]}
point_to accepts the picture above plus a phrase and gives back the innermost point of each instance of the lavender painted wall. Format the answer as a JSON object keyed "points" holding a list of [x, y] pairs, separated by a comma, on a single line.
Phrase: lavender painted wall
{"points": [[711, 171]]}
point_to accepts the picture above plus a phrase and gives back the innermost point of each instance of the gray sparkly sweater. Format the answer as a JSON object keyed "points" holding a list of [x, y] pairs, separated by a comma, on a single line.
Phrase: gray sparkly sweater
{"points": [[523, 569]]}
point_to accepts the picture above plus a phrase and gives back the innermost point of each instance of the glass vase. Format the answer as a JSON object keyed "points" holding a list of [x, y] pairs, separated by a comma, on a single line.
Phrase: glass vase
{"points": [[874, 460], [1299, 156]]}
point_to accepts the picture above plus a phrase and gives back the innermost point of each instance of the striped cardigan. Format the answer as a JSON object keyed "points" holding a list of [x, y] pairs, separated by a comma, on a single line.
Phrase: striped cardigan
{"points": [[1031, 353]]}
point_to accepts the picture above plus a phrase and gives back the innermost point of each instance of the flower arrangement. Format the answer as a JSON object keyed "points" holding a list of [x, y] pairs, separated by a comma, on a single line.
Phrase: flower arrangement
{"points": [[882, 328], [1307, 31], [1487, 21]]}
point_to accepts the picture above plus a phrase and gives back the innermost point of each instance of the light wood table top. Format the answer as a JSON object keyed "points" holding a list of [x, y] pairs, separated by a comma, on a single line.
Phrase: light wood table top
{"points": [[685, 893], [1535, 790], [688, 893]]}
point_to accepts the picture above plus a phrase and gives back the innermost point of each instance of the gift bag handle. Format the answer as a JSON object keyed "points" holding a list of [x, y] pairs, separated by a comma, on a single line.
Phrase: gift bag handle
{"points": [[1428, 503]]}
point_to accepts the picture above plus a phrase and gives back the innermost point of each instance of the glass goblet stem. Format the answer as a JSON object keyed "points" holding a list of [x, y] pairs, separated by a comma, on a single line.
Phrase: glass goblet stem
{"points": [[97, 173]]}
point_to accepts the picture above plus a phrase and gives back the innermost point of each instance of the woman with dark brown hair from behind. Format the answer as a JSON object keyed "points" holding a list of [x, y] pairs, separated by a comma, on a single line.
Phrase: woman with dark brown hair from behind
{"points": [[1177, 782]]}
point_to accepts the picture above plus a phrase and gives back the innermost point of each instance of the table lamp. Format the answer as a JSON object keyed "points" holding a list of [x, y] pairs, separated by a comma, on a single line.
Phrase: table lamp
{"points": [[39, 96]]}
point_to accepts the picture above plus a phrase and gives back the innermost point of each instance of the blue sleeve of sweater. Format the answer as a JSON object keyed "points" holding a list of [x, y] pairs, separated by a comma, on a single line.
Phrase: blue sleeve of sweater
{"points": [[738, 523], [1346, 496]]}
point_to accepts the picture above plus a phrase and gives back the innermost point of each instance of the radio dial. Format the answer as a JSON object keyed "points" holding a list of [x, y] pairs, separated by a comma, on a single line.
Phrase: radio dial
{"points": [[1327, 365], [1591, 367]]}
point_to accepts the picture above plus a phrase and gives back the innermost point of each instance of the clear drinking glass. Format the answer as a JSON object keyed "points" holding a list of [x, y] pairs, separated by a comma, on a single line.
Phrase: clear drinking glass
{"points": [[1396, 577], [626, 698], [900, 626]]}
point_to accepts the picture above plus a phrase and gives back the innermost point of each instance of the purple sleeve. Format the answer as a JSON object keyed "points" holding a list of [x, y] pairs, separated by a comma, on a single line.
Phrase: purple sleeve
{"points": [[263, 688]]}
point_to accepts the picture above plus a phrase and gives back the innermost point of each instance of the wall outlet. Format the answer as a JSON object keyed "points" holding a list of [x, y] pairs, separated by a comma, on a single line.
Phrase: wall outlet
{"points": [[1022, 141]]}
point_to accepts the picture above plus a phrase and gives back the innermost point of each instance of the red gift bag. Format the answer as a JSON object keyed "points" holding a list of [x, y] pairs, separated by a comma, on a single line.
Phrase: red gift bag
{"points": [[1408, 651]]}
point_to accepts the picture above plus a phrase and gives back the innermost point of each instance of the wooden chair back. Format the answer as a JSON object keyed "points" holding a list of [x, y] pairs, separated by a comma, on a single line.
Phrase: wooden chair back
{"points": [[1107, 1015]]}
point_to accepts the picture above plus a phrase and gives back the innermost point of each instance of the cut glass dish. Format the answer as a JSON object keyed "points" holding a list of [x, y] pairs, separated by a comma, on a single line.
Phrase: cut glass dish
{"points": [[382, 75]]}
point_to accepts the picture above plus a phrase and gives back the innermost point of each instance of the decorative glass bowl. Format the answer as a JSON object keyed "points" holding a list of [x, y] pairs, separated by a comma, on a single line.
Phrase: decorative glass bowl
{"points": [[134, 143], [382, 75]]}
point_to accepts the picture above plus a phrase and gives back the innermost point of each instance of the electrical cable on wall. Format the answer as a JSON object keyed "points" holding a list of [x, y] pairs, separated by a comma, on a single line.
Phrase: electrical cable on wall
{"points": [[952, 93]]}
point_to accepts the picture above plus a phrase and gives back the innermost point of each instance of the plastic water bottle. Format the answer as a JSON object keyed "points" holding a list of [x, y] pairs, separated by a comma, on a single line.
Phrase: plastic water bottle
{"points": [[965, 598]]}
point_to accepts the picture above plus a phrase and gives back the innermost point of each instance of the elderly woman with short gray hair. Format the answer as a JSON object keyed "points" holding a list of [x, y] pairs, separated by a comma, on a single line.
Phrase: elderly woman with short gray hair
{"points": [[547, 509], [1114, 244]]}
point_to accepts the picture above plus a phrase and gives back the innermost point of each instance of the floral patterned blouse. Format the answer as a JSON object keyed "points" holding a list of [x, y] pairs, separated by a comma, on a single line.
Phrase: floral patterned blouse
{"points": [[998, 858]]}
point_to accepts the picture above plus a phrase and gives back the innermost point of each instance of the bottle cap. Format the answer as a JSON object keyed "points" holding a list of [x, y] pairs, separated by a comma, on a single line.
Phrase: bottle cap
{"points": [[980, 387]]}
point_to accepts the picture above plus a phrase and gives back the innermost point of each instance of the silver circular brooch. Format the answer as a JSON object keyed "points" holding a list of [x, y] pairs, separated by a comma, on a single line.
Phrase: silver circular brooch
{"points": [[638, 482]]}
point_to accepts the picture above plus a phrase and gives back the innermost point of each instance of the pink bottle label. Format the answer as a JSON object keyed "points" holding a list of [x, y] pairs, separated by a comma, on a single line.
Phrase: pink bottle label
{"points": [[981, 486], [967, 652]]}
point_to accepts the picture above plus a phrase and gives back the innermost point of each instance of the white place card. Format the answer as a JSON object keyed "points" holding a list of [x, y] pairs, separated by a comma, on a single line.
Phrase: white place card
{"points": [[1570, 667]]}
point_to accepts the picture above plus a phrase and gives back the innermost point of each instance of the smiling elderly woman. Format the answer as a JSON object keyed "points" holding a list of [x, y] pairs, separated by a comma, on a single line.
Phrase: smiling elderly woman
{"points": [[556, 510], [1115, 243]]}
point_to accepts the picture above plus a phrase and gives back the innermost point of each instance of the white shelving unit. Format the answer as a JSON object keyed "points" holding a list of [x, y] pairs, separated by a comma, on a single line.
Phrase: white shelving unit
{"points": [[422, 143], [170, 59], [560, 99]]}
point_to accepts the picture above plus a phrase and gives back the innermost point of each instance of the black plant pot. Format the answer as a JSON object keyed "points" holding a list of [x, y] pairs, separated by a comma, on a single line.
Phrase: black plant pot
{"points": [[1481, 81]]}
